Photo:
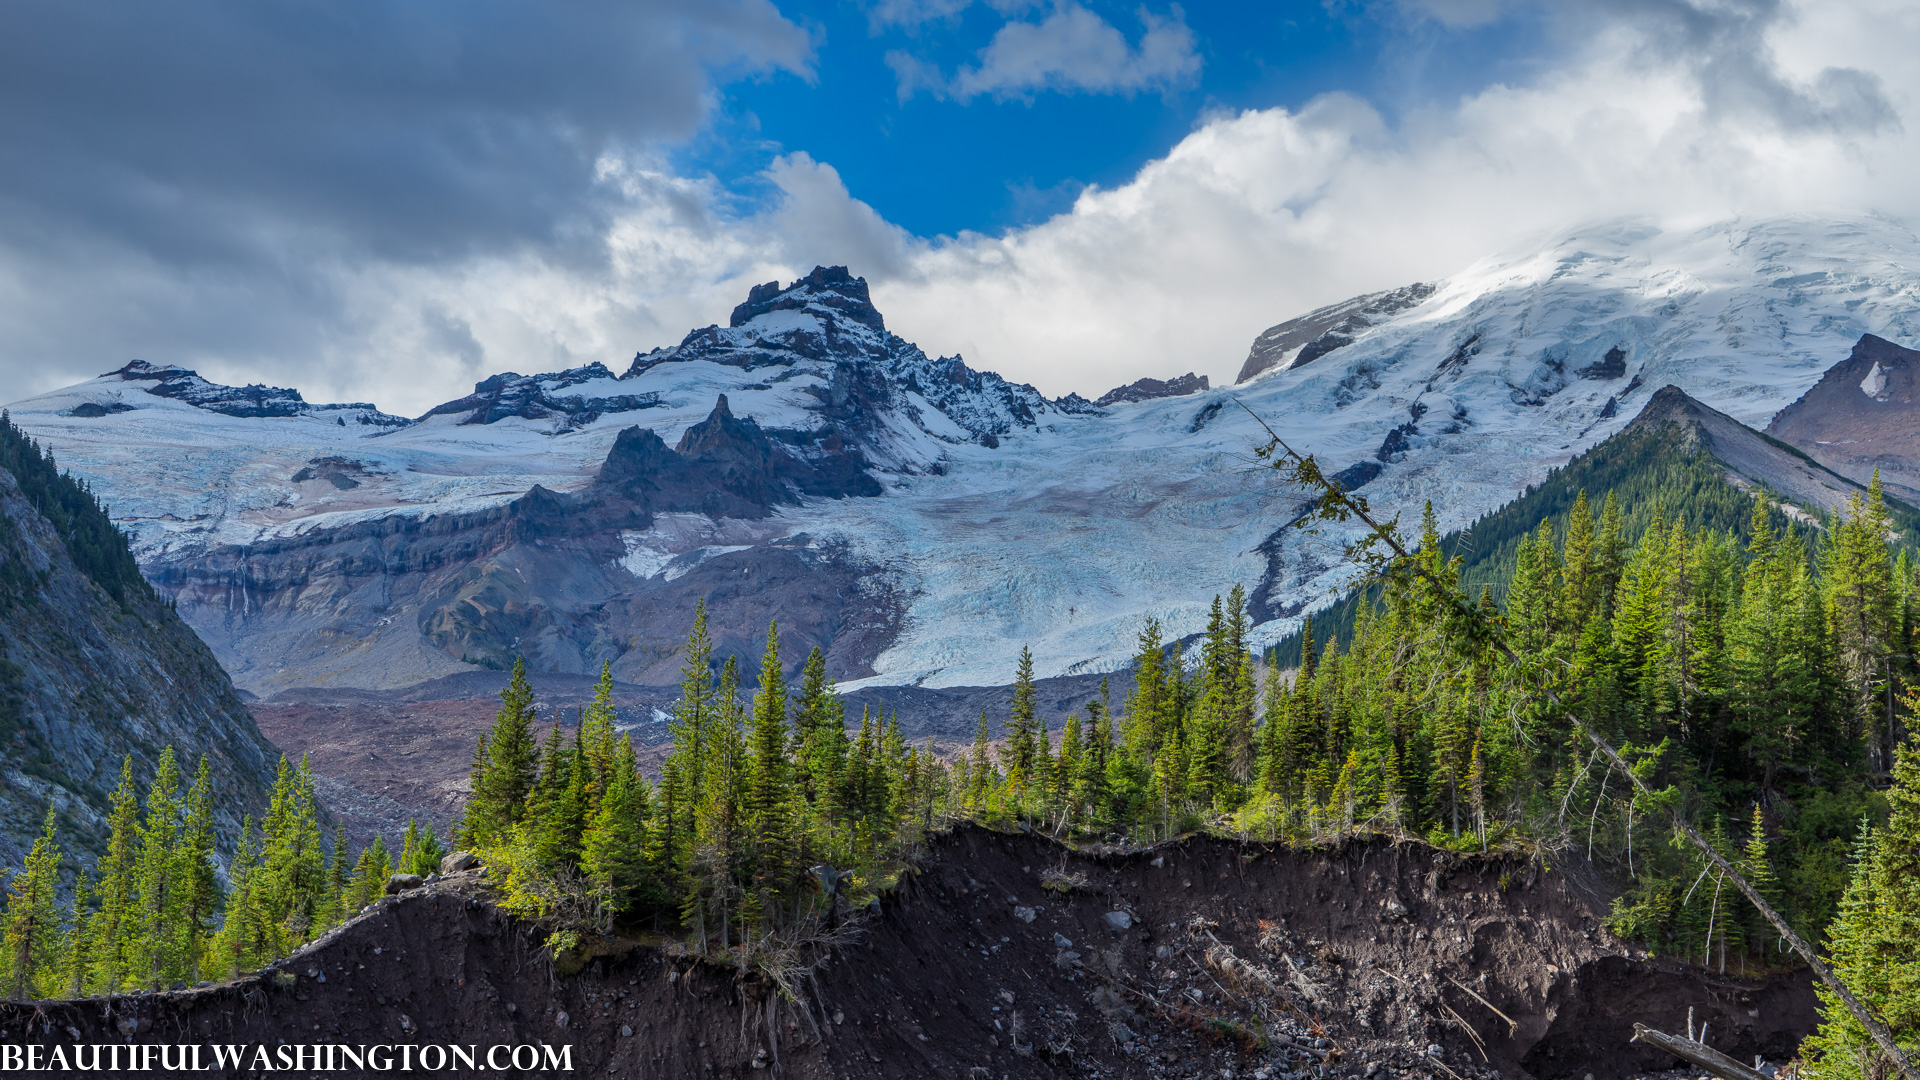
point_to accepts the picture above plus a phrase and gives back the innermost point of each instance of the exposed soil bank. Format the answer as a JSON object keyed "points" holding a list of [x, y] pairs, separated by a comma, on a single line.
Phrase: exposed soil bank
{"points": [[1374, 943]]}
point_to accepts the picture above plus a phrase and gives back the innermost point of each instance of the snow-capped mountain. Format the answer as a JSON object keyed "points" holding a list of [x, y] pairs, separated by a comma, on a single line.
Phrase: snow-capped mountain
{"points": [[311, 551]]}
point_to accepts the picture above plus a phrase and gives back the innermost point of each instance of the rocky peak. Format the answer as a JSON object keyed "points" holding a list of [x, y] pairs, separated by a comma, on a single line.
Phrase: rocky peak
{"points": [[1303, 340], [538, 397], [866, 378], [829, 287], [1148, 389], [724, 437], [726, 466], [253, 401], [1862, 416], [1670, 404]]}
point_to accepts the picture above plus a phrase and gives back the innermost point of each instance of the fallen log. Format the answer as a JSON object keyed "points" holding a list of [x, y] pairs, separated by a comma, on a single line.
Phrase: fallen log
{"points": [[1698, 1053]]}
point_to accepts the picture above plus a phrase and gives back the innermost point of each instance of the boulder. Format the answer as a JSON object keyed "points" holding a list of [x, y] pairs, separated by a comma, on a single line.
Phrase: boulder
{"points": [[402, 882], [459, 861]]}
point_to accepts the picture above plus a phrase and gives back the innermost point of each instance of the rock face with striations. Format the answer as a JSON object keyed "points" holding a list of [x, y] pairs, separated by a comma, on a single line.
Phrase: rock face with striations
{"points": [[1863, 414], [87, 677]]}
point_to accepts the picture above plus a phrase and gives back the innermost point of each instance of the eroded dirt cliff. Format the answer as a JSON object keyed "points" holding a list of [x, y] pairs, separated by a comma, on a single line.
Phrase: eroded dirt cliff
{"points": [[1346, 963]]}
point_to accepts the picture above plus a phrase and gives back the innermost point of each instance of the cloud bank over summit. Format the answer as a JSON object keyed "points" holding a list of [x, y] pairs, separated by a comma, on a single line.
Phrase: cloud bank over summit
{"points": [[591, 240]]}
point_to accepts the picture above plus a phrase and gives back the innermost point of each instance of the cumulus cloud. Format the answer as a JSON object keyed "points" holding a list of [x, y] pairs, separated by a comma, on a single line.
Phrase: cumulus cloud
{"points": [[1686, 112], [1754, 109], [1070, 49]]}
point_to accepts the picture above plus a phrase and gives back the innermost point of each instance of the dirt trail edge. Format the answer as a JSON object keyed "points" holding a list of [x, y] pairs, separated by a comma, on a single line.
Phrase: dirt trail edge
{"points": [[1197, 958]]}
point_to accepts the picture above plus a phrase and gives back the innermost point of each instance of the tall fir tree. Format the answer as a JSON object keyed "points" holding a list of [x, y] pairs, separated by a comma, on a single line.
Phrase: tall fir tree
{"points": [[33, 937], [154, 946], [506, 768]]}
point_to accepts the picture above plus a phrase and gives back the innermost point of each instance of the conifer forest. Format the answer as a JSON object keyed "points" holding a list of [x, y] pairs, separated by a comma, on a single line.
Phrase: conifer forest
{"points": [[1758, 679]]}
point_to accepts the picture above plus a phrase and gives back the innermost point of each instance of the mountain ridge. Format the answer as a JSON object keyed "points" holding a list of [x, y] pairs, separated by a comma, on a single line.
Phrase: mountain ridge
{"points": [[94, 667], [989, 533]]}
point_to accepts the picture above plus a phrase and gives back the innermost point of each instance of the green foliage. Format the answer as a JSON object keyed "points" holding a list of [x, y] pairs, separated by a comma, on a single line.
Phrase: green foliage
{"points": [[1874, 944], [1744, 670], [33, 923], [157, 894], [1749, 665], [420, 851], [94, 543], [505, 766]]}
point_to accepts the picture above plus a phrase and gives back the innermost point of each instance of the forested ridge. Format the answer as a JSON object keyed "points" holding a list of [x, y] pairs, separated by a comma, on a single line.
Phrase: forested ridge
{"points": [[95, 543], [1756, 676]]}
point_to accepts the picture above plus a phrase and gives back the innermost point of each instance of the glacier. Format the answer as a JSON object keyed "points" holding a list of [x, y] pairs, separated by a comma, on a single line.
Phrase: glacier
{"points": [[1007, 519]]}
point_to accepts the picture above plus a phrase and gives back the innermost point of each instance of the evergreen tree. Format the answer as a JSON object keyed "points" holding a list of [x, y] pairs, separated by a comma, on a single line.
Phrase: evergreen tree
{"points": [[427, 856], [292, 870], [199, 882], [598, 738], [820, 736], [980, 773], [248, 936], [339, 875], [1023, 728], [502, 784], [33, 938], [370, 873], [769, 785], [613, 851], [1756, 865], [1875, 942], [76, 964], [154, 947], [117, 920]]}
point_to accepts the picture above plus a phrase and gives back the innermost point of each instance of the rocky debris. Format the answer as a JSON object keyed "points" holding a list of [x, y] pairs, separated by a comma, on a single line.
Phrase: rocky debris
{"points": [[1148, 389], [1863, 414], [1302, 340], [399, 883], [1243, 960], [254, 400], [540, 397]]}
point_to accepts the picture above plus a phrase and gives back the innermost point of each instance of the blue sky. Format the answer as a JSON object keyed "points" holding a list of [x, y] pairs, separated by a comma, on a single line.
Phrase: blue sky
{"points": [[936, 163], [389, 200]]}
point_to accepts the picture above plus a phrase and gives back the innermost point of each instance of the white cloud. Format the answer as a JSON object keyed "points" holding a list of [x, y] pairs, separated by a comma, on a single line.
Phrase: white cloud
{"points": [[1071, 49], [1254, 217], [1259, 216]]}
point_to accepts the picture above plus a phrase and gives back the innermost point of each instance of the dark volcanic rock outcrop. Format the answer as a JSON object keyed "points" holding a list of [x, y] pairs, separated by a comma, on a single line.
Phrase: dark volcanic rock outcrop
{"points": [[726, 466], [1148, 389], [252, 401], [542, 397], [828, 288], [1863, 414], [1303, 340], [87, 678]]}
